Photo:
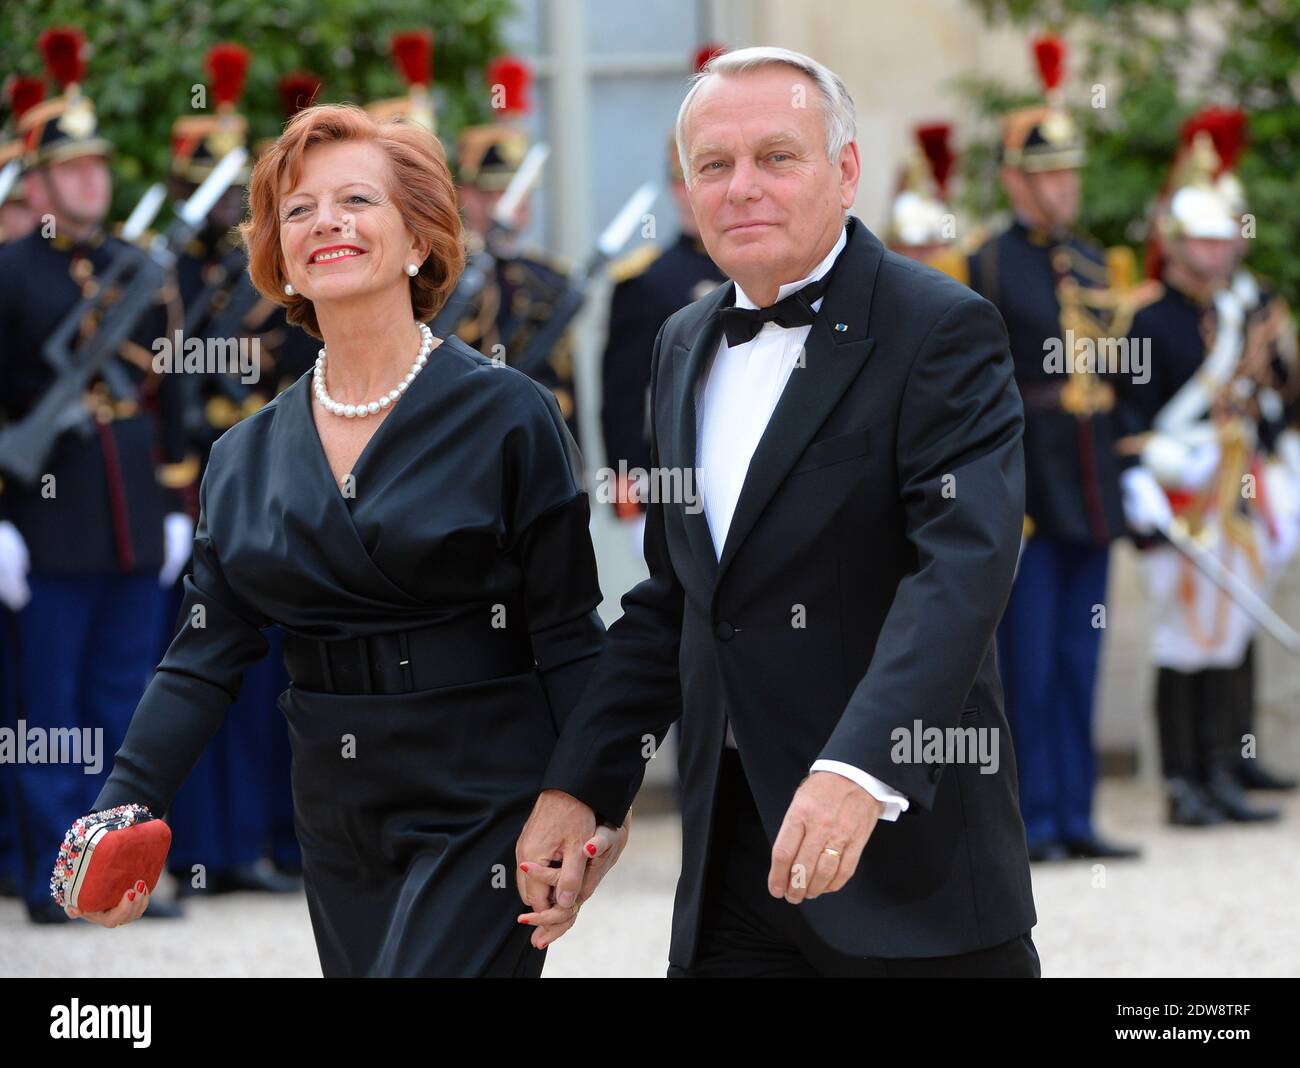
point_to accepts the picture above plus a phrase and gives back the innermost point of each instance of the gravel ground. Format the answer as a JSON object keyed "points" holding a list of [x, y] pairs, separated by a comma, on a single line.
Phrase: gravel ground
{"points": [[1217, 902]]}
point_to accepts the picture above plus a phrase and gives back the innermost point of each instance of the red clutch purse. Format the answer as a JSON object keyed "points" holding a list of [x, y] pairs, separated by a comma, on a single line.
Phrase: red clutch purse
{"points": [[106, 853]]}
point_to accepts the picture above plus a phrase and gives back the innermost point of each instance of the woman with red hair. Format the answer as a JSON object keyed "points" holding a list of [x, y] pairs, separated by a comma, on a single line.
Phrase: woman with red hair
{"points": [[412, 515]]}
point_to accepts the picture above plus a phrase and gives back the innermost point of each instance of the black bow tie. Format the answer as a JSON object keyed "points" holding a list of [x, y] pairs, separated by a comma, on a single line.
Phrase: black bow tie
{"points": [[743, 324]]}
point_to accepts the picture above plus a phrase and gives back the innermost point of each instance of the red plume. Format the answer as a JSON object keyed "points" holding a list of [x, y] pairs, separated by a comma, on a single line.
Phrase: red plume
{"points": [[61, 48], [298, 90], [933, 139], [413, 54], [228, 67], [1227, 129], [705, 53], [1049, 54], [513, 76], [24, 94]]}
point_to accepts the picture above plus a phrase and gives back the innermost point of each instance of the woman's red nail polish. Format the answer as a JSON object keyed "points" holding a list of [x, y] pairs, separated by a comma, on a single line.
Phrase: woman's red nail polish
{"points": [[522, 920], [523, 867], [130, 895], [140, 886], [591, 850]]}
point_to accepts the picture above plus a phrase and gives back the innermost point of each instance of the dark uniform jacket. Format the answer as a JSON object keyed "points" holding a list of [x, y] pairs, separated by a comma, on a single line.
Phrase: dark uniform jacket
{"points": [[650, 284], [103, 511], [1071, 470]]}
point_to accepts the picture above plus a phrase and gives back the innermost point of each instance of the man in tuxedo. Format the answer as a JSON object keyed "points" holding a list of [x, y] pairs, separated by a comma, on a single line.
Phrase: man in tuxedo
{"points": [[823, 625]]}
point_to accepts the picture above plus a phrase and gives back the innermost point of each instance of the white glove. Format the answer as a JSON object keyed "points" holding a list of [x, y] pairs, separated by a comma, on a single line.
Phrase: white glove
{"points": [[178, 541], [1145, 505], [1201, 464], [15, 562]]}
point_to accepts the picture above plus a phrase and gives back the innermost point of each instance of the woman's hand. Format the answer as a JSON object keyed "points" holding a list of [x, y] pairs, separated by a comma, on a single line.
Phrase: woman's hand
{"points": [[131, 907], [603, 850]]}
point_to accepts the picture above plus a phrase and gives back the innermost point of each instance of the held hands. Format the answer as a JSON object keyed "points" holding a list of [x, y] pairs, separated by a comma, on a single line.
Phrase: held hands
{"points": [[562, 857], [130, 908], [822, 837]]}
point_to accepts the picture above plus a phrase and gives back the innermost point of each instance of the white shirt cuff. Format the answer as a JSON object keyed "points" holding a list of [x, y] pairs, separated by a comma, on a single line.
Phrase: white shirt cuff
{"points": [[894, 802]]}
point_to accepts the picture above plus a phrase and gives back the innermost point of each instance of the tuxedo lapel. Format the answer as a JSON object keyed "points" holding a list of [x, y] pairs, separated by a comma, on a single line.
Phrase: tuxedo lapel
{"points": [[836, 349], [689, 363]]}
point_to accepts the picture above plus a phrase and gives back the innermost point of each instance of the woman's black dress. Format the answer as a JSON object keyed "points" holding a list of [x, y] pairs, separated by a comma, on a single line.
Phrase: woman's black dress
{"points": [[416, 757]]}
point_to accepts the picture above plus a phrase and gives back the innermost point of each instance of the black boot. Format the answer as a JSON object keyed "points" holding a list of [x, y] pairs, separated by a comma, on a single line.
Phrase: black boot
{"points": [[162, 909], [1227, 794], [259, 878], [1248, 771], [242, 878], [47, 912], [1190, 807], [1251, 775]]}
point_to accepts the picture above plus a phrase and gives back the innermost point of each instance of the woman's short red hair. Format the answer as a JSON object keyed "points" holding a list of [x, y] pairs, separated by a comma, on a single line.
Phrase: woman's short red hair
{"points": [[420, 185]]}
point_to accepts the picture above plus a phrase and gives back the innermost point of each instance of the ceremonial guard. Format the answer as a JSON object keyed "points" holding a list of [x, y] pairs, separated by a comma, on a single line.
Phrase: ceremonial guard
{"points": [[1208, 450], [85, 544], [16, 222], [922, 224], [222, 818], [522, 285], [16, 218], [1055, 294], [650, 283]]}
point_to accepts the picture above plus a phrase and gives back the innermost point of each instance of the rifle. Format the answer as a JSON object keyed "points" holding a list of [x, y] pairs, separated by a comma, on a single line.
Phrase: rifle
{"points": [[566, 309], [137, 274]]}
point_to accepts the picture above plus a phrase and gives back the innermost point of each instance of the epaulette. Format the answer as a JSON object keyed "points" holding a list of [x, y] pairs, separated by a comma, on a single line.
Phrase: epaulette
{"points": [[635, 263], [1121, 267], [953, 262]]}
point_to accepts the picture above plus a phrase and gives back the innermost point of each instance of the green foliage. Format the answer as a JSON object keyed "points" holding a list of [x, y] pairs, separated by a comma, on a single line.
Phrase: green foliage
{"points": [[1157, 67], [146, 56]]}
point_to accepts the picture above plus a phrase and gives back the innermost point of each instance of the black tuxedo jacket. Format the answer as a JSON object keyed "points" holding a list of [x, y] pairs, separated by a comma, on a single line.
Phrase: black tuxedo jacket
{"points": [[868, 562]]}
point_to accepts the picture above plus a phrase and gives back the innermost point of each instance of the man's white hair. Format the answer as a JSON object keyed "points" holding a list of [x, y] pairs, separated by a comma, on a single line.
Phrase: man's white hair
{"points": [[837, 106]]}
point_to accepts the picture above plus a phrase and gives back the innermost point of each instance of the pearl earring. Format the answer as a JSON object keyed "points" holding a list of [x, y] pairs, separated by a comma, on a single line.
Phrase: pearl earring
{"points": [[412, 269], [288, 290]]}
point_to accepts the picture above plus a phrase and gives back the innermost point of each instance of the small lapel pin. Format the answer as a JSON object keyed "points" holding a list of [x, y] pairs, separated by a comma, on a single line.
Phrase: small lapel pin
{"points": [[841, 328]]}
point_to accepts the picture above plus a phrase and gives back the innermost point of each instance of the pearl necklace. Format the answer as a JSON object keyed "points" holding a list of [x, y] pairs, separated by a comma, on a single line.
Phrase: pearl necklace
{"points": [[352, 411]]}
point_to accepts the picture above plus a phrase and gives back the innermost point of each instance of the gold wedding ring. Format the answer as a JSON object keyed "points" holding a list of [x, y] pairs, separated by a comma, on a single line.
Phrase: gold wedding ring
{"points": [[832, 852]]}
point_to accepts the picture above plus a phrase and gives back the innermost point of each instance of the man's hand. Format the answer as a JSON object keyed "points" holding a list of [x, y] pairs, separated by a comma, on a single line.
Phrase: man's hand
{"points": [[829, 812], [602, 850]]}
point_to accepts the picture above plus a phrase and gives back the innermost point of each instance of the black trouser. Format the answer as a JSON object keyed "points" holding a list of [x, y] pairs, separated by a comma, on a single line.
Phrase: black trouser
{"points": [[1200, 714], [744, 931]]}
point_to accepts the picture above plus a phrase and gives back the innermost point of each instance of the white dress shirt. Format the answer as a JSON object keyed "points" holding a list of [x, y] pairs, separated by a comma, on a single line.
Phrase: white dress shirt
{"points": [[734, 400]]}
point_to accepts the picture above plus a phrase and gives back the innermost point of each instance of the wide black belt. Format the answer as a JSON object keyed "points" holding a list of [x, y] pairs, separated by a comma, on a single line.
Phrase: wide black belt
{"points": [[446, 654]]}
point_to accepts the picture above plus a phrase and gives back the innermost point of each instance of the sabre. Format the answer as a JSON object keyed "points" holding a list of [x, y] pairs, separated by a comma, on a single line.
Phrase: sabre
{"points": [[566, 309], [525, 177], [619, 232], [8, 177], [481, 265], [1246, 599], [143, 214]]}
